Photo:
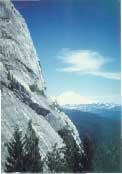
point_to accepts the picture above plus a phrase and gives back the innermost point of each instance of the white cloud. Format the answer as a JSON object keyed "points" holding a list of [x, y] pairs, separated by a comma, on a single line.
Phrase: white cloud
{"points": [[108, 75], [86, 62], [74, 98], [71, 97]]}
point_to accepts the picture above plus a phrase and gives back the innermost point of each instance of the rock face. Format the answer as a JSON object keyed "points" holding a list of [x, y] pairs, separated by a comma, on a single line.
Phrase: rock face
{"points": [[23, 87]]}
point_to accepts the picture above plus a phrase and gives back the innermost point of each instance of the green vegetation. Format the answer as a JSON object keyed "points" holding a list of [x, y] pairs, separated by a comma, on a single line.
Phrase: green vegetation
{"points": [[23, 154], [73, 154], [101, 152], [14, 161], [105, 136], [34, 88], [32, 158], [89, 149], [107, 158], [55, 160]]}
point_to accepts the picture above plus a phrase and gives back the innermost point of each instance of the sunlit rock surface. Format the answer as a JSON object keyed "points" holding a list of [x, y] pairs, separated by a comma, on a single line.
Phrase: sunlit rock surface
{"points": [[23, 87]]}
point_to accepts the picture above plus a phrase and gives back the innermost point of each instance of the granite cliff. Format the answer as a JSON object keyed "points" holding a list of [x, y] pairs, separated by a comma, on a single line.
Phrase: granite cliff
{"points": [[23, 89]]}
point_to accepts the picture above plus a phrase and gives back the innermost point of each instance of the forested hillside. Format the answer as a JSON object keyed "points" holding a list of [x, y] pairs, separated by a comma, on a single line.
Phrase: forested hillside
{"points": [[105, 134]]}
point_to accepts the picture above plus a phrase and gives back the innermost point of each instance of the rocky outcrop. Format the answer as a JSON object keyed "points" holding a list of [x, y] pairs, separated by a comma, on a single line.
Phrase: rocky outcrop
{"points": [[23, 87]]}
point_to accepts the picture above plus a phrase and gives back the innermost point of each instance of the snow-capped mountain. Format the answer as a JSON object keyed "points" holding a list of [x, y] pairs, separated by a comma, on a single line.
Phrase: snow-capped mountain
{"points": [[95, 107], [23, 87]]}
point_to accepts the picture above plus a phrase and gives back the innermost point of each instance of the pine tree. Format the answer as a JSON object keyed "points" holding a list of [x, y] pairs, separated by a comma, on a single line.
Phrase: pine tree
{"points": [[32, 158], [55, 160], [73, 154], [14, 161], [89, 152]]}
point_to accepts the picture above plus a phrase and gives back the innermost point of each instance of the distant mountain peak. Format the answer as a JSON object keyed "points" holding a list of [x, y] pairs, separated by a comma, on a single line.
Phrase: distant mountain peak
{"points": [[95, 107]]}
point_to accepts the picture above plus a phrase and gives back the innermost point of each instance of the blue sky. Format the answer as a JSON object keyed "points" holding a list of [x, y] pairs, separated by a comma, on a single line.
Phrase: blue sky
{"points": [[78, 42]]}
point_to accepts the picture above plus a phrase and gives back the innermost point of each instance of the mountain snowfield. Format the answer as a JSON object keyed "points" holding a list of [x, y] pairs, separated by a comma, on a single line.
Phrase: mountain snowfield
{"points": [[23, 86], [94, 107]]}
